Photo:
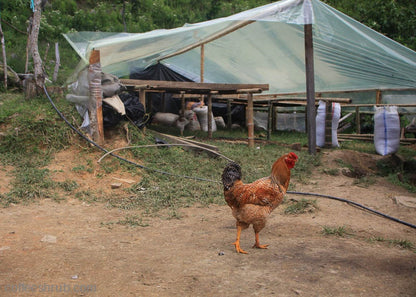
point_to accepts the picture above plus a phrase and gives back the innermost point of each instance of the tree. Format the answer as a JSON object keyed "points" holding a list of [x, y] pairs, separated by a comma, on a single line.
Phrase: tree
{"points": [[39, 75], [4, 56]]}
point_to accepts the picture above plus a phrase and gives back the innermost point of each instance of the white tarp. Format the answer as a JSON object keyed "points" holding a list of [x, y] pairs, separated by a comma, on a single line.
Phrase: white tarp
{"points": [[264, 45]]}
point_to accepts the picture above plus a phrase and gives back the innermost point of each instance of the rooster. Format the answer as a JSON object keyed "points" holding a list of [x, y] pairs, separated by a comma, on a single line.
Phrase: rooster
{"points": [[253, 203]]}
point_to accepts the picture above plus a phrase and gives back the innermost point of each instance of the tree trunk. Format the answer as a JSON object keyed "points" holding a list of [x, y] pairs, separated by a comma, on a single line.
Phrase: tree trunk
{"points": [[39, 75], [123, 16], [4, 56]]}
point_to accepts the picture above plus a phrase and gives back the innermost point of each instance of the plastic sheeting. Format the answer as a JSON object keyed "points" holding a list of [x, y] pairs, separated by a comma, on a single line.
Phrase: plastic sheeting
{"points": [[264, 45]]}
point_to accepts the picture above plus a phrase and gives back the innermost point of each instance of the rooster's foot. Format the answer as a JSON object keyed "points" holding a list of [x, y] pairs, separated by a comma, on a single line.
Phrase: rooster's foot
{"points": [[238, 248], [260, 246]]}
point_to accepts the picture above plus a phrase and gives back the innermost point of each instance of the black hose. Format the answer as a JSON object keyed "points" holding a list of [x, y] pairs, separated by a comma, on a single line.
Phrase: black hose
{"points": [[215, 181], [117, 156], [355, 204]]}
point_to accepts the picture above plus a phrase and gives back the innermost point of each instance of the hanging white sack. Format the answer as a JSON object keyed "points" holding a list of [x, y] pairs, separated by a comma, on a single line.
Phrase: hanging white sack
{"points": [[386, 130], [320, 123], [202, 113]]}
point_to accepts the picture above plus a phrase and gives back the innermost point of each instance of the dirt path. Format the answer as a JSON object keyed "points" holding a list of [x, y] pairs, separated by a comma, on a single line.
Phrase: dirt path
{"points": [[193, 255]]}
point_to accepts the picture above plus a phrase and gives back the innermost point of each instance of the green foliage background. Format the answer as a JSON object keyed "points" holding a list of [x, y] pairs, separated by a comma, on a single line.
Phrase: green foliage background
{"points": [[394, 18]]}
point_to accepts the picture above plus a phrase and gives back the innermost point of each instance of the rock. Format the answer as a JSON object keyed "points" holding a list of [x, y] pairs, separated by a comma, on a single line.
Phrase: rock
{"points": [[405, 201], [48, 239], [116, 185], [296, 147]]}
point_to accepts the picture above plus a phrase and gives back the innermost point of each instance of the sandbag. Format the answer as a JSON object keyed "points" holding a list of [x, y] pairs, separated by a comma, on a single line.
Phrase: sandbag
{"points": [[202, 113], [320, 123], [386, 130]]}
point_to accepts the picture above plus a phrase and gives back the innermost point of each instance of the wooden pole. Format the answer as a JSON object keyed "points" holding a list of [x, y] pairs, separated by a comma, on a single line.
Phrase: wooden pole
{"points": [[328, 124], [250, 121], [357, 120], [182, 112], [378, 97], [3, 47], [229, 117], [310, 90], [202, 58], [57, 62], [142, 97], [269, 119], [202, 63], [209, 115], [96, 107], [209, 39]]}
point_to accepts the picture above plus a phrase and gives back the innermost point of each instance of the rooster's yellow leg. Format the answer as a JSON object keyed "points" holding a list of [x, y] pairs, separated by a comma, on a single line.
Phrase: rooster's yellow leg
{"points": [[257, 244], [237, 242]]}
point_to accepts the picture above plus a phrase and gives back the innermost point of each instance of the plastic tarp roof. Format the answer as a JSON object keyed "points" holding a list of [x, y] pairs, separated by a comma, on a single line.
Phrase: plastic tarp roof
{"points": [[264, 45]]}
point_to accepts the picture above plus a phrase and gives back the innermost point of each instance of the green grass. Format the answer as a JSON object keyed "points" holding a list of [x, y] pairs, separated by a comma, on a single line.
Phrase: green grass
{"points": [[301, 206], [402, 243], [340, 231], [32, 132]]}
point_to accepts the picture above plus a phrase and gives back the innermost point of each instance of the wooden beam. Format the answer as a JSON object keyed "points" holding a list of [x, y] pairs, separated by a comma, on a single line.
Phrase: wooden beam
{"points": [[220, 34], [192, 87], [310, 89]]}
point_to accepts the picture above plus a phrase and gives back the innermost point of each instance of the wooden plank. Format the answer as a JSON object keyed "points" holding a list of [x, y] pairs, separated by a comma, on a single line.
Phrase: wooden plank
{"points": [[192, 87]]}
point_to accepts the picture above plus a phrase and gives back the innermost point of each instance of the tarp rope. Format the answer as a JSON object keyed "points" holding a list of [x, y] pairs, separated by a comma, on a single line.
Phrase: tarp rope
{"points": [[216, 181]]}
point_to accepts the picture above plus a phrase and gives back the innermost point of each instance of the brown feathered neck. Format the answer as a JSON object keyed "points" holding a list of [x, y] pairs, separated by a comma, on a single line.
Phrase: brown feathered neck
{"points": [[280, 174]]}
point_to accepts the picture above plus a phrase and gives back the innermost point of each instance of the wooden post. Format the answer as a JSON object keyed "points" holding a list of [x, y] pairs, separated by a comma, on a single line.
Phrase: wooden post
{"points": [[378, 97], [310, 90], [3, 47], [229, 118], [202, 63], [269, 119], [274, 117], [209, 115], [142, 97], [182, 112], [250, 121], [96, 106], [357, 120], [328, 124], [57, 63], [201, 68]]}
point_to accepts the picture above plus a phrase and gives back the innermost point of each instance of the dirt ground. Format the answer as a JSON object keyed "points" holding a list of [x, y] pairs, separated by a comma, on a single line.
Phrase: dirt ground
{"points": [[74, 248]]}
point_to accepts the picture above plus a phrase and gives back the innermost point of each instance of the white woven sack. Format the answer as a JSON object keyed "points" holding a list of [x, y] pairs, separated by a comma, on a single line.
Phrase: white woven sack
{"points": [[386, 130], [202, 113], [320, 123]]}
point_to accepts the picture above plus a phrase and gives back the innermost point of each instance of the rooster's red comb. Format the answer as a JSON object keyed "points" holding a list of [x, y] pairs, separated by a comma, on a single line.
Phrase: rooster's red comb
{"points": [[293, 156]]}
